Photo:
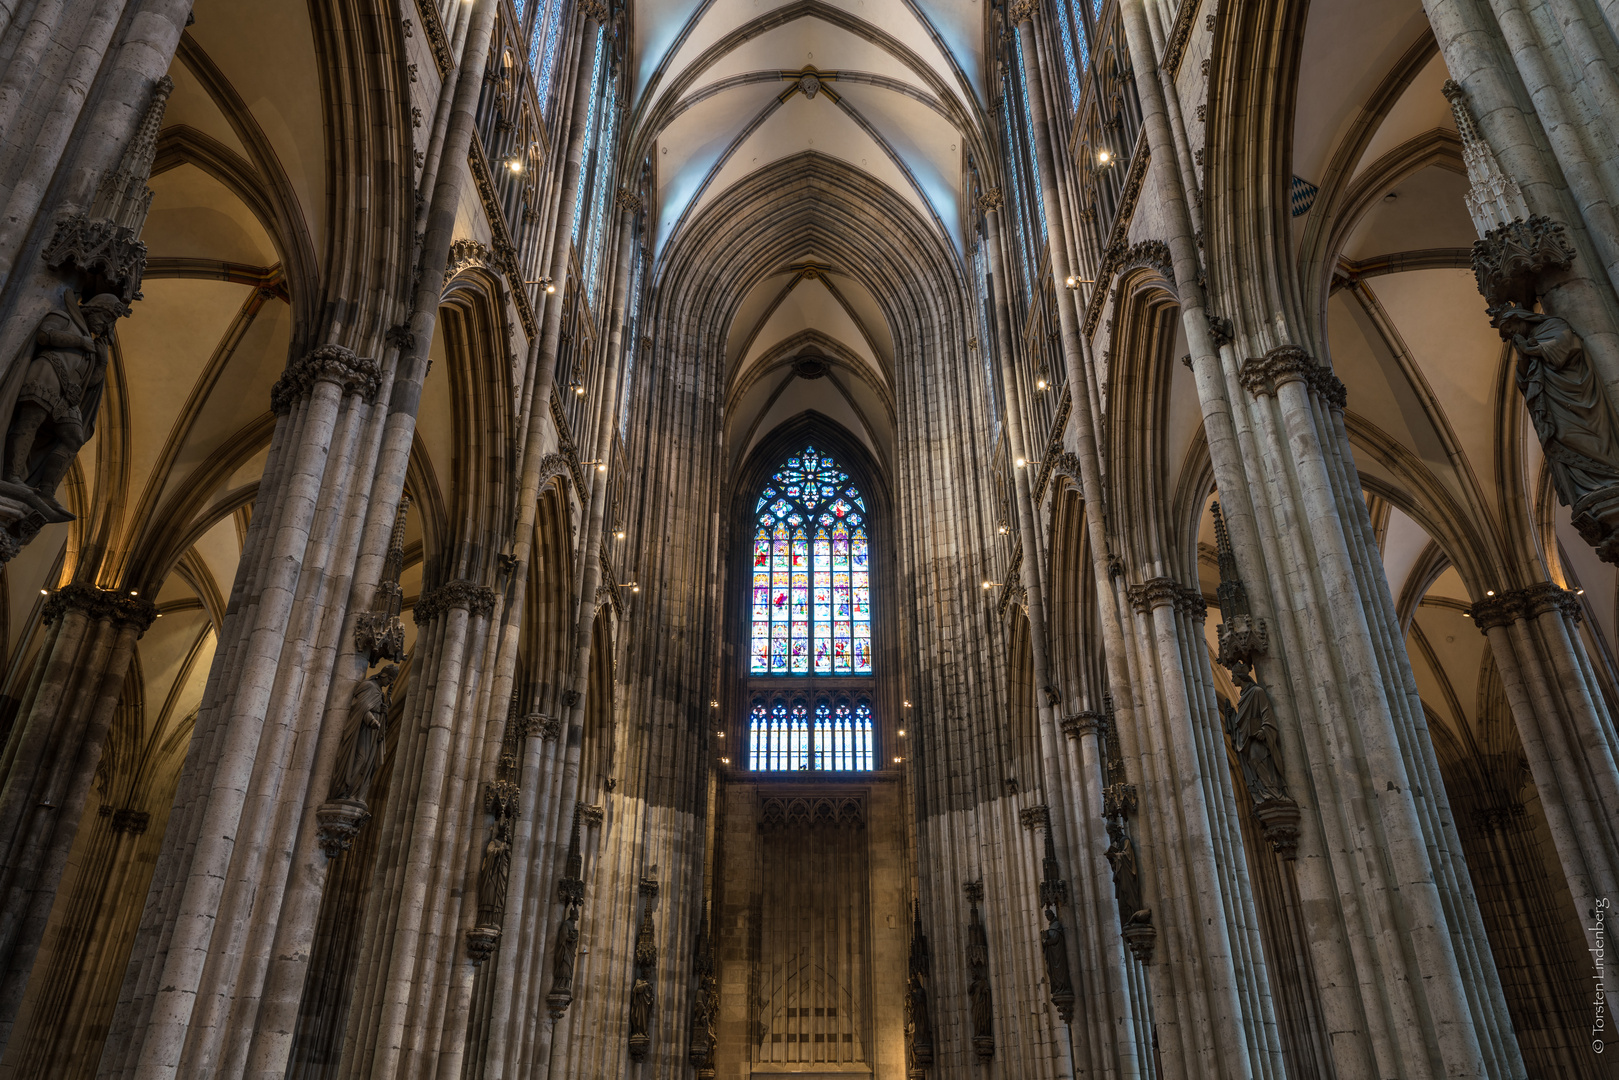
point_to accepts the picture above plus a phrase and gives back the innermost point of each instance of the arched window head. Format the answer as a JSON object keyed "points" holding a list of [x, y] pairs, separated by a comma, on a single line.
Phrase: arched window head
{"points": [[811, 572]]}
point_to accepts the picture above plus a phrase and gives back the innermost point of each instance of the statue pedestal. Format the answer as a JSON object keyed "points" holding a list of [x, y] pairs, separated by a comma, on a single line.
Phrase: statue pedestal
{"points": [[340, 821], [984, 1046], [1279, 819], [557, 1001], [1141, 936], [481, 942], [1597, 518], [639, 1045], [20, 522]]}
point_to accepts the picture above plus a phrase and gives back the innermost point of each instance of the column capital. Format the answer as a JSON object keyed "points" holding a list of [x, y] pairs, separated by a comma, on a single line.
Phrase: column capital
{"points": [[126, 610], [335, 364], [1524, 604], [1021, 11], [989, 200], [1262, 376], [474, 599]]}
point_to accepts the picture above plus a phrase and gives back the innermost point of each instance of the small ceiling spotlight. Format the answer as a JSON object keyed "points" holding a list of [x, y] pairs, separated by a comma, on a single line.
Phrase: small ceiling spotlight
{"points": [[633, 586], [907, 704], [725, 761], [578, 388], [1024, 463], [134, 592], [514, 163], [601, 466], [618, 534], [1039, 384], [719, 734], [902, 733], [44, 592], [713, 704], [989, 585], [1579, 592], [1073, 282], [1104, 158], [1489, 592], [898, 760], [550, 287], [1002, 529]]}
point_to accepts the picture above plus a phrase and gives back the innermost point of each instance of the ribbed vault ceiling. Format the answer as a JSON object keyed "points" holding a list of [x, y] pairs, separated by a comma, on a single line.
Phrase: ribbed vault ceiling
{"points": [[891, 89]]}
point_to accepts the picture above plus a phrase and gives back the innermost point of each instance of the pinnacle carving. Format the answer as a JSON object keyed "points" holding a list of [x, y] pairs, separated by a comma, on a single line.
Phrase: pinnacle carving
{"points": [[1493, 197], [1510, 262]]}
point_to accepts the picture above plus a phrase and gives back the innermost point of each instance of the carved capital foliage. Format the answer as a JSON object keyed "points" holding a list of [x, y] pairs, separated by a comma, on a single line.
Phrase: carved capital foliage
{"points": [[482, 942], [1153, 593], [552, 466], [476, 600], [1263, 375], [1021, 11], [1510, 262], [465, 254], [990, 200], [1089, 722], [1221, 330], [129, 820], [1526, 604], [594, 10], [1035, 817], [101, 605], [591, 815], [628, 201], [343, 368]]}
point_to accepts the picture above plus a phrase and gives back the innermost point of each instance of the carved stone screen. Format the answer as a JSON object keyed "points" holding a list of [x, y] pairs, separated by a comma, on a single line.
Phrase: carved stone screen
{"points": [[813, 978]]}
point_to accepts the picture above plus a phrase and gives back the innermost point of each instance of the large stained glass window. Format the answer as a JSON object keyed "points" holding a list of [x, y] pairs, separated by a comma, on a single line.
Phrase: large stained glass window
{"points": [[801, 736], [811, 572]]}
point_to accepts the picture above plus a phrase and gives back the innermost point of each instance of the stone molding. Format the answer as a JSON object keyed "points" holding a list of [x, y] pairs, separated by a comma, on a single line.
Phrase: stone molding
{"points": [[553, 465], [476, 600], [342, 367], [100, 604], [1263, 376], [974, 891], [1526, 604], [590, 815], [339, 821], [782, 812]]}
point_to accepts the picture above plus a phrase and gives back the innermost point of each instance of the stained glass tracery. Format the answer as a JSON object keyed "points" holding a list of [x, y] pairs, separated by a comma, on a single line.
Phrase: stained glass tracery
{"points": [[811, 607], [800, 737]]}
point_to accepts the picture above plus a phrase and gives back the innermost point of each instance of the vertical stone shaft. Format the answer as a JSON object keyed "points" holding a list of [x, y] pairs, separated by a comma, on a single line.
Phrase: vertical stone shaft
{"points": [[50, 762], [1282, 465], [1231, 996], [1061, 808]]}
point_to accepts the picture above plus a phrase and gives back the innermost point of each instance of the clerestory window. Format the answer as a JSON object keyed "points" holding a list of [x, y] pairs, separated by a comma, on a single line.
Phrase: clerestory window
{"points": [[811, 572]]}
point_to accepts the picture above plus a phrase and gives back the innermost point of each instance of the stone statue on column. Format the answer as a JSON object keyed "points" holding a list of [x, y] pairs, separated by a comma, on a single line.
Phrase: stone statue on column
{"points": [[1252, 728], [1121, 854], [55, 413], [567, 948], [359, 756], [642, 994], [1571, 414], [918, 1018], [980, 995], [360, 753], [1054, 946]]}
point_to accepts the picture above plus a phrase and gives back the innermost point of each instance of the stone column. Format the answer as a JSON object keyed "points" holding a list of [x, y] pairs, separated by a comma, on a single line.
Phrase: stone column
{"points": [[539, 383], [50, 762], [1376, 831], [1216, 982], [1566, 734], [415, 973], [1061, 810]]}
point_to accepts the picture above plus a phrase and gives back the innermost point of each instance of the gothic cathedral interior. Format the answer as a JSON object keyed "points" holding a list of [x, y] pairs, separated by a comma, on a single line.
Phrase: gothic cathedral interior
{"points": [[887, 539]]}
